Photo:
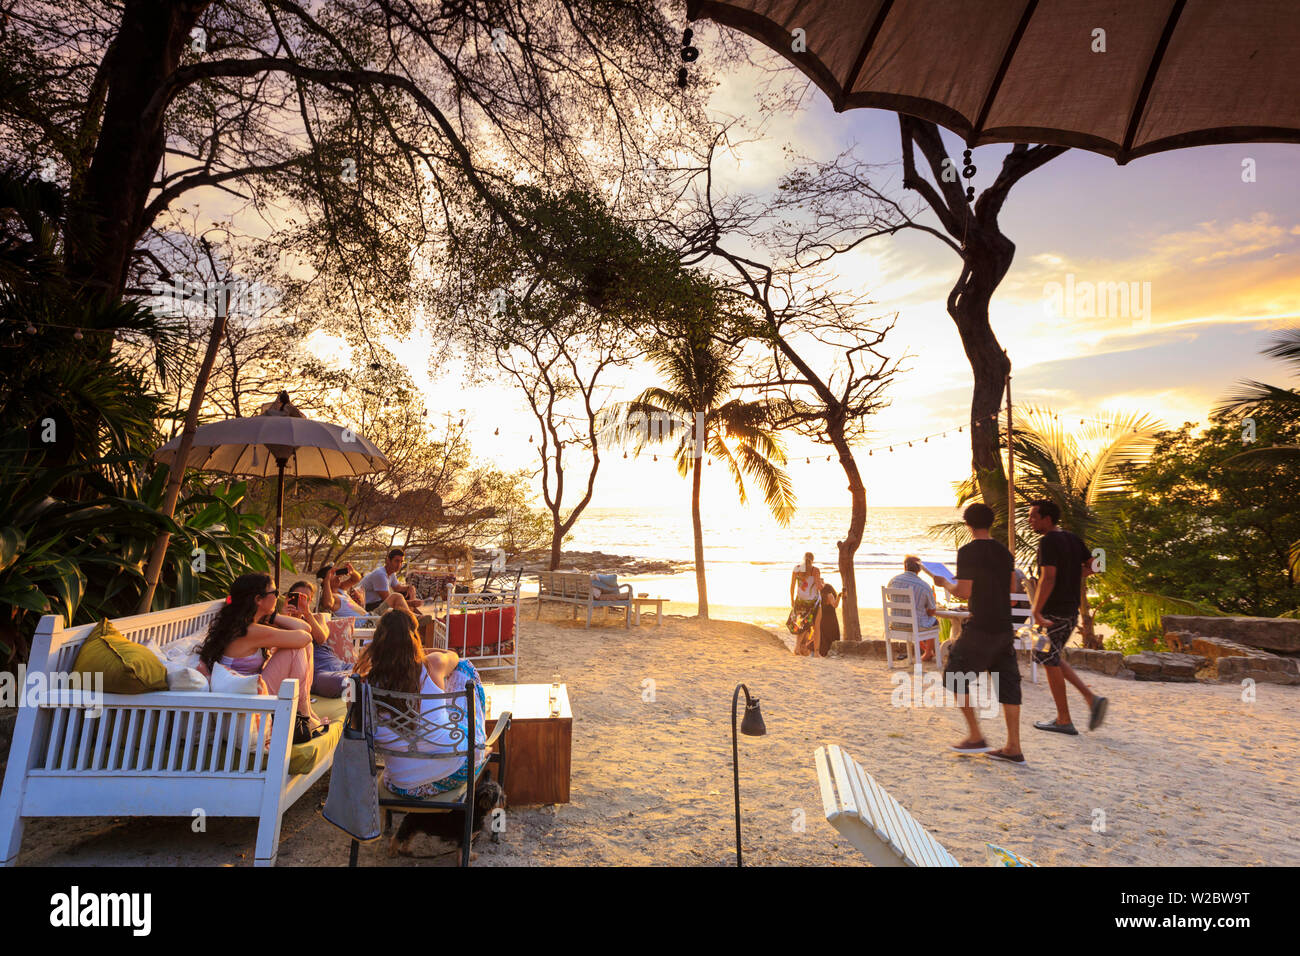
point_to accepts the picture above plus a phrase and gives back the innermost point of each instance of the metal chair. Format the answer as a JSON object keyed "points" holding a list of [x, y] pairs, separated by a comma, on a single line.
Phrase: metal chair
{"points": [[417, 733]]}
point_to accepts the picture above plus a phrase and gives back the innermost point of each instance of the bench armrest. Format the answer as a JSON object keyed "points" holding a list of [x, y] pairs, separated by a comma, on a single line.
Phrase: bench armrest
{"points": [[503, 724]]}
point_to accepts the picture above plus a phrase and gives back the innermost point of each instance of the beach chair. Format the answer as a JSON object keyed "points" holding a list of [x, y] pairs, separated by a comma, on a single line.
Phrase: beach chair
{"points": [[902, 620], [415, 733], [1020, 616], [871, 820]]}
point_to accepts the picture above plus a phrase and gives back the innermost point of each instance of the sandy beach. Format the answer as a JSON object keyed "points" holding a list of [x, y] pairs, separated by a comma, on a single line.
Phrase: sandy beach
{"points": [[1185, 774]]}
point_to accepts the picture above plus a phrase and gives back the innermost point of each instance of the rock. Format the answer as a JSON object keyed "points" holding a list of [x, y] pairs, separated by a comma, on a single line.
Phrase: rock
{"points": [[1281, 635], [1266, 670], [1103, 662], [1165, 666], [872, 649]]}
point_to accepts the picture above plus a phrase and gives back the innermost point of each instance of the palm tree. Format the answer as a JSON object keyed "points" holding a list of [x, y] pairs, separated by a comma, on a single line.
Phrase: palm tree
{"points": [[1257, 398], [1084, 472], [699, 375]]}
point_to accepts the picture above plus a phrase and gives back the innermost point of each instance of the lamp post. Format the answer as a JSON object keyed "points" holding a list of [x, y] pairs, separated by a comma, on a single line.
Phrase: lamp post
{"points": [[751, 726]]}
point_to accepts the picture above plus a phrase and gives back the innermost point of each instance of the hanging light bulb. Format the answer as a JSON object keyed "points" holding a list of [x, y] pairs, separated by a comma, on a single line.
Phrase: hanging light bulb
{"points": [[462, 423], [891, 447], [807, 461], [31, 329], [927, 441], [624, 455], [656, 457], [530, 439], [869, 453], [77, 335], [497, 432]]}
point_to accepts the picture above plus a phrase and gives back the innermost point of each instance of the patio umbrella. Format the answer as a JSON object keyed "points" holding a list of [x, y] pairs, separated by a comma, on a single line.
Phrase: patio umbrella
{"points": [[1125, 79], [276, 444]]}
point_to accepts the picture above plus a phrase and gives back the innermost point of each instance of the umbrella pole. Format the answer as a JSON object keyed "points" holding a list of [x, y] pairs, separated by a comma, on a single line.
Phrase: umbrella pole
{"points": [[279, 516]]}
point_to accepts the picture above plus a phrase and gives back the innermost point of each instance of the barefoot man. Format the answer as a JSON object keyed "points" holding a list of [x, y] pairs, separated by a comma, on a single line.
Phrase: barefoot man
{"points": [[1064, 562], [985, 578]]}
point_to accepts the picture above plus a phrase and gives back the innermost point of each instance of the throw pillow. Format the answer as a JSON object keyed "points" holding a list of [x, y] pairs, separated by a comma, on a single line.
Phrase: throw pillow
{"points": [[127, 667], [1000, 857], [340, 640]]}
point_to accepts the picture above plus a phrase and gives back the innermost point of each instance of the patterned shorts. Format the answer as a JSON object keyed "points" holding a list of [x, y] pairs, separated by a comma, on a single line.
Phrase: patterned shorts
{"points": [[1058, 634]]}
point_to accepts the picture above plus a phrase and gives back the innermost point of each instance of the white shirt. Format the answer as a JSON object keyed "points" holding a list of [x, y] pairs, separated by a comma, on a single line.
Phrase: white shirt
{"points": [[408, 772], [376, 581]]}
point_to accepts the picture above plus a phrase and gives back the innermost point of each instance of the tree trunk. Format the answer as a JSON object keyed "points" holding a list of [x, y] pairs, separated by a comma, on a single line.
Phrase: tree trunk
{"points": [[176, 474], [985, 263], [700, 585], [848, 548], [1086, 627], [131, 140], [557, 538]]}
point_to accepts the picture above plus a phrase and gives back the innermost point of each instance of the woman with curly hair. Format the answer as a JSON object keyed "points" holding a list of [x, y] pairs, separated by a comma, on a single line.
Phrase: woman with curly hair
{"points": [[395, 660], [248, 637]]}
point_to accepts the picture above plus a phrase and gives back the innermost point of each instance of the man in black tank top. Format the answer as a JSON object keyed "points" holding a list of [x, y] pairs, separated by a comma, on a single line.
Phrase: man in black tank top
{"points": [[1064, 563], [985, 579]]}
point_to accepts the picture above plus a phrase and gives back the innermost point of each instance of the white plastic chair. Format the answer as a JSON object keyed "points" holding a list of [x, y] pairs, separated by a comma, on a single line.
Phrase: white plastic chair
{"points": [[899, 607], [1025, 638]]}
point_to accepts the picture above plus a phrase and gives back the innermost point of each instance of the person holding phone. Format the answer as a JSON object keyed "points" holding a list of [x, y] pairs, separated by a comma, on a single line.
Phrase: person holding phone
{"points": [[329, 674]]}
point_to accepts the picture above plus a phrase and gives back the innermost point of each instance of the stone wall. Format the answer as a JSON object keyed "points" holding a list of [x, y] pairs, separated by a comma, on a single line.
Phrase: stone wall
{"points": [[1277, 634]]}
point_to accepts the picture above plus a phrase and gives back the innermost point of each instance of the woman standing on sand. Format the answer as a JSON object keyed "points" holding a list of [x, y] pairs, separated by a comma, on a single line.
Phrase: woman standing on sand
{"points": [[828, 624], [805, 600]]}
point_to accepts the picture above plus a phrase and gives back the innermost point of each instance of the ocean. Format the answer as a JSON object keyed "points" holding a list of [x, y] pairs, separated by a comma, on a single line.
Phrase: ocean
{"points": [[748, 556]]}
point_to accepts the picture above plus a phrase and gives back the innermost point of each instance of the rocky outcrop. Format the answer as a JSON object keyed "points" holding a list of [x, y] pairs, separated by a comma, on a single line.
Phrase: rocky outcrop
{"points": [[1165, 666], [1231, 661], [1110, 663], [1277, 634]]}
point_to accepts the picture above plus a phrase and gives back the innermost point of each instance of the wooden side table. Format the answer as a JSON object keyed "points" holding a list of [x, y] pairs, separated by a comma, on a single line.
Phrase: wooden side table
{"points": [[658, 604], [539, 746]]}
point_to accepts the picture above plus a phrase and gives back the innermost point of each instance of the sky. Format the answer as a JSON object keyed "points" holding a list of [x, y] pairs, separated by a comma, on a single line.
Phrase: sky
{"points": [[1210, 262]]}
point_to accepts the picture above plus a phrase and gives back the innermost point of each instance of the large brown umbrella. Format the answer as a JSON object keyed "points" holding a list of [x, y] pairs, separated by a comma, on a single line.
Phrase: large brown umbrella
{"points": [[1173, 73], [272, 444]]}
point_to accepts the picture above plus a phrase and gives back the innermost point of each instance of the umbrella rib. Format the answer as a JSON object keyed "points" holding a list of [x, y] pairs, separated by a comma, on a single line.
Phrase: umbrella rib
{"points": [[1002, 71], [861, 60], [1149, 81]]}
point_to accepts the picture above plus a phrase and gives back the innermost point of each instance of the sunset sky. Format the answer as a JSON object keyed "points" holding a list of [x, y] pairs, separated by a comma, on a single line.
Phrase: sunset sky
{"points": [[1221, 257]]}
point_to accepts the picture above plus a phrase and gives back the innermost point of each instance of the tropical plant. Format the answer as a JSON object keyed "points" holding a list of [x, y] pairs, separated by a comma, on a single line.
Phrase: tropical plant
{"points": [[1085, 472], [692, 410], [1283, 404]]}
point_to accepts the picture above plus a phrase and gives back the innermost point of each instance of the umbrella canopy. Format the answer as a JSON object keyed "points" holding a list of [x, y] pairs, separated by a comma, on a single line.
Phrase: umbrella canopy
{"points": [[252, 446], [1174, 73], [278, 444]]}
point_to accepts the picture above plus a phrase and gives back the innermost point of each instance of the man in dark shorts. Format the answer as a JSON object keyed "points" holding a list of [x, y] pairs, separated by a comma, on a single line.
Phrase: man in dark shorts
{"points": [[985, 580], [1064, 562]]}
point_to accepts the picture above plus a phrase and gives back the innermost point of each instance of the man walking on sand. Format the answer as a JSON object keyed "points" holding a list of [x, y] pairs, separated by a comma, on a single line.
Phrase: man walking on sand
{"points": [[1064, 563], [985, 580]]}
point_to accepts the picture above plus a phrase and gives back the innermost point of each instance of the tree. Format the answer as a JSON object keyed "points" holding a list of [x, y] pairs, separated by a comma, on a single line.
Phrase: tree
{"points": [[1196, 530], [1257, 398], [821, 369], [693, 410]]}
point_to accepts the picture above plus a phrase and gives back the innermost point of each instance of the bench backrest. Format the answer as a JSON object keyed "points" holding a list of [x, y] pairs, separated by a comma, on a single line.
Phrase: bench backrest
{"points": [[55, 647], [870, 818], [566, 584]]}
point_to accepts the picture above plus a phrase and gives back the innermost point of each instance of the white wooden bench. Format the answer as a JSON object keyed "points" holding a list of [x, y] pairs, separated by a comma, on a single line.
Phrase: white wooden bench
{"points": [[154, 754], [870, 819], [576, 588]]}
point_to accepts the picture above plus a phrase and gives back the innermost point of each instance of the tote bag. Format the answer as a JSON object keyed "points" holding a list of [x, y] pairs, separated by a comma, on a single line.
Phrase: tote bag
{"points": [[352, 804]]}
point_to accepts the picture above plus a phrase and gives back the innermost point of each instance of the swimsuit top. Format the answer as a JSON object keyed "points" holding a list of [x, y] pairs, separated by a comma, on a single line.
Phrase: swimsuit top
{"points": [[252, 664]]}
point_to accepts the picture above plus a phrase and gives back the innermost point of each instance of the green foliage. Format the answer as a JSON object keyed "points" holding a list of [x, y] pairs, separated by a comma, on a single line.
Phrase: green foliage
{"points": [[1204, 535]]}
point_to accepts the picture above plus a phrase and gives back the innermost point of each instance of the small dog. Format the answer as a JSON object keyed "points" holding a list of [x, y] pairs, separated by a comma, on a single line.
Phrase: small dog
{"points": [[444, 830]]}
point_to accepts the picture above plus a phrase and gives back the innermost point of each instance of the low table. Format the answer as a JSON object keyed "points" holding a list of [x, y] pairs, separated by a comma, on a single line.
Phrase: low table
{"points": [[539, 747], [647, 601]]}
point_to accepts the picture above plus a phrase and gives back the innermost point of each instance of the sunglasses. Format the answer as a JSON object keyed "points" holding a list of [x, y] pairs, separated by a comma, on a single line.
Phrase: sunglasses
{"points": [[269, 593]]}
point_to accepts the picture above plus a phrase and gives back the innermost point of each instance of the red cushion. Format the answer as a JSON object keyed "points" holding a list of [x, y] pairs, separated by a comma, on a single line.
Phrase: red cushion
{"points": [[485, 628]]}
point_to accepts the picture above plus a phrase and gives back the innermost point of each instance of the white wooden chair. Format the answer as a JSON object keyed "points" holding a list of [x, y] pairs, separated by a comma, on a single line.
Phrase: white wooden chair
{"points": [[902, 619], [869, 818]]}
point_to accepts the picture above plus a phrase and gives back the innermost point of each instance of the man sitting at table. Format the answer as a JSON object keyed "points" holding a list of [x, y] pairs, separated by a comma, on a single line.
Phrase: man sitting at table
{"points": [[925, 604], [382, 582]]}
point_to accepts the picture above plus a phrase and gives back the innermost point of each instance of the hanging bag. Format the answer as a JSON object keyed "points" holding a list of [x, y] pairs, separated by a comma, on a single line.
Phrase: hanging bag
{"points": [[352, 804]]}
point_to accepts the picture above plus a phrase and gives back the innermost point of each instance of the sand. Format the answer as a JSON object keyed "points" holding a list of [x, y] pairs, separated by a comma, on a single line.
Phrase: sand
{"points": [[1185, 774]]}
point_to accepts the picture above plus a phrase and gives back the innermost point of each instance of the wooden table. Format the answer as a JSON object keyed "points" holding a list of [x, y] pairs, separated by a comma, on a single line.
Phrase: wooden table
{"points": [[539, 746], [647, 601], [956, 616]]}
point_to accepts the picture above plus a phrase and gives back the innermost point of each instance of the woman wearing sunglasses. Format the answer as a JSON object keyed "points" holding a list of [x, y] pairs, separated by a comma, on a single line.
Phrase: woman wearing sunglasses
{"points": [[248, 637]]}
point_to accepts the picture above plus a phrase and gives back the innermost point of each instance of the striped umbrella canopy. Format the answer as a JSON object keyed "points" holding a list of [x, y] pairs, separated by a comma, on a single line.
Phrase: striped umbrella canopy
{"points": [[274, 444], [1125, 78]]}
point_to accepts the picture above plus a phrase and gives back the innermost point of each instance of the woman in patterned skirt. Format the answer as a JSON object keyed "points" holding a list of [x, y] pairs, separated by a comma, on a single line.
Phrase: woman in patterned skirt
{"points": [[805, 598]]}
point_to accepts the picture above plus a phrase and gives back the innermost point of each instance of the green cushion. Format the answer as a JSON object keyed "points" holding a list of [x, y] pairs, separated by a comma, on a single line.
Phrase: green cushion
{"points": [[303, 757], [128, 667]]}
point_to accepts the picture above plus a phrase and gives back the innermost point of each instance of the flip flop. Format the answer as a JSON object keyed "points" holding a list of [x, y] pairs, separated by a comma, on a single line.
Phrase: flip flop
{"points": [[1098, 712], [1054, 727], [978, 748], [1018, 759]]}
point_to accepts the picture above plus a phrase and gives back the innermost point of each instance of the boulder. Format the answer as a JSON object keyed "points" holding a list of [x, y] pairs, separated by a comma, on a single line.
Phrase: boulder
{"points": [[1281, 635], [1165, 666], [1267, 670], [1103, 662], [867, 648]]}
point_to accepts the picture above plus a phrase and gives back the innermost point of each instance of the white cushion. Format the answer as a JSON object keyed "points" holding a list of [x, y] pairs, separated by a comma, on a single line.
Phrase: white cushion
{"points": [[226, 681], [184, 650], [180, 677]]}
